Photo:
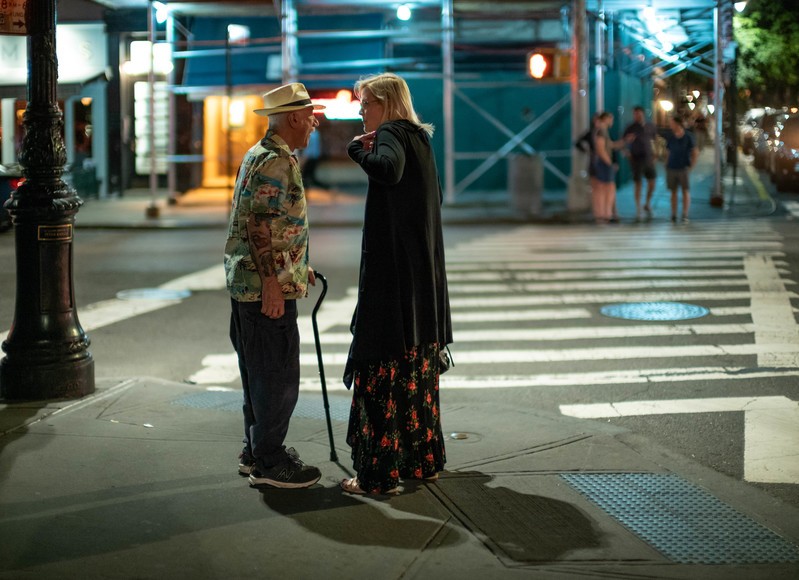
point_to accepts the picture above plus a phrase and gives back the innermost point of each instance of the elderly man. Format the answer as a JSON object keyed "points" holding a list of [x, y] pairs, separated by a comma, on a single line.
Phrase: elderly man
{"points": [[266, 267]]}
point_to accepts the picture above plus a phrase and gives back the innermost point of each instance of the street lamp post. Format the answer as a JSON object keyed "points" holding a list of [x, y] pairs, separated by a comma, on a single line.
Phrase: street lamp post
{"points": [[47, 354]]}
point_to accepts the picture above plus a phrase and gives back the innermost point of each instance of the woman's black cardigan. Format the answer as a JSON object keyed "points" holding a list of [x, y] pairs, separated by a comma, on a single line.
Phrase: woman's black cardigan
{"points": [[402, 290]]}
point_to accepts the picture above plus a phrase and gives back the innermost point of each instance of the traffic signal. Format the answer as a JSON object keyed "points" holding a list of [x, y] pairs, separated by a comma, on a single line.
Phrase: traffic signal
{"points": [[549, 64]]}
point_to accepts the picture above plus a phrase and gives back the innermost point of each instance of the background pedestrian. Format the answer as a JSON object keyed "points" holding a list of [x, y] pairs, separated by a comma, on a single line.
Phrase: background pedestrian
{"points": [[682, 157], [639, 136]]}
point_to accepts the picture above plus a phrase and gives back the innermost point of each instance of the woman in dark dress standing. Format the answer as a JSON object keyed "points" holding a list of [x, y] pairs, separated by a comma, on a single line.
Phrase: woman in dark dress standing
{"points": [[402, 319]]}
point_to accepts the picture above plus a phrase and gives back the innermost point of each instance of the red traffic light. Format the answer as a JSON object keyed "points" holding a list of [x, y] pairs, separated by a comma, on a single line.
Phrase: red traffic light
{"points": [[539, 65], [549, 64]]}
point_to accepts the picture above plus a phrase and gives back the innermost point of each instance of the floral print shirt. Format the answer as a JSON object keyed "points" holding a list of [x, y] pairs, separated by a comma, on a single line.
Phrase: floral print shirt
{"points": [[269, 184]]}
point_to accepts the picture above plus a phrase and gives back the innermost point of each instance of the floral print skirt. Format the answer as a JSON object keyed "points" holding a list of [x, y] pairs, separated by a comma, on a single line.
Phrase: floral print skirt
{"points": [[395, 419]]}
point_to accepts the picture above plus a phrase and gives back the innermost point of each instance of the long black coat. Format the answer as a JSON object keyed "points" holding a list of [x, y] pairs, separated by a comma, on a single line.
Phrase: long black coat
{"points": [[402, 291]]}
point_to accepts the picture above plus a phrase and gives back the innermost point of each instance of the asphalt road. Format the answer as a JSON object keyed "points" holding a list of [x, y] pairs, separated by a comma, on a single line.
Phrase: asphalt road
{"points": [[529, 325]]}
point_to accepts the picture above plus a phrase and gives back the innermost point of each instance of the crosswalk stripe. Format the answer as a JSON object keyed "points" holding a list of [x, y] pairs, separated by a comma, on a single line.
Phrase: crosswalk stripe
{"points": [[589, 379], [589, 265], [505, 356], [565, 257], [594, 274], [594, 285], [578, 333], [556, 299]]}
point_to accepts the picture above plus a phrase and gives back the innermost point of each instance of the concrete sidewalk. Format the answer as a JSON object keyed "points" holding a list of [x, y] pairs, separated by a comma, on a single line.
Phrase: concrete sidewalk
{"points": [[140, 480]]}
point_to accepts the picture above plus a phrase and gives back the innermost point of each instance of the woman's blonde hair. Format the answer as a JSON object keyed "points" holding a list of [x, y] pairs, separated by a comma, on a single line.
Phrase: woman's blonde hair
{"points": [[393, 93]]}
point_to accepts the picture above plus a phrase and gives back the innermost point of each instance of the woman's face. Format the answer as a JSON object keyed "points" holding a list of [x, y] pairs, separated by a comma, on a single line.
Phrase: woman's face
{"points": [[371, 111]]}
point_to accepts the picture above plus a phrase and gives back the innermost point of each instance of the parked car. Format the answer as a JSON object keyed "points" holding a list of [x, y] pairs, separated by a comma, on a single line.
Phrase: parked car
{"points": [[763, 137], [747, 127], [10, 178], [785, 159]]}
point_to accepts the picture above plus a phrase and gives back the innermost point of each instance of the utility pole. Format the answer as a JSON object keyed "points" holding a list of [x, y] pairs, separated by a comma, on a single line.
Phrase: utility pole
{"points": [[47, 354]]}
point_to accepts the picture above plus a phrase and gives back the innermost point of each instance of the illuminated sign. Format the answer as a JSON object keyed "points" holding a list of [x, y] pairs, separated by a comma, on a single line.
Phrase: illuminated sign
{"points": [[139, 63], [80, 49], [342, 107]]}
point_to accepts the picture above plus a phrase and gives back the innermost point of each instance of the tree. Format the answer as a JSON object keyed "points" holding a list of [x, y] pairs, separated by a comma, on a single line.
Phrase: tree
{"points": [[768, 56]]}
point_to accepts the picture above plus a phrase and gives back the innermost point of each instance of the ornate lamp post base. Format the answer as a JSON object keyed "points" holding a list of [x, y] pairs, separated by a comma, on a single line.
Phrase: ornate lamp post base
{"points": [[42, 382], [47, 353]]}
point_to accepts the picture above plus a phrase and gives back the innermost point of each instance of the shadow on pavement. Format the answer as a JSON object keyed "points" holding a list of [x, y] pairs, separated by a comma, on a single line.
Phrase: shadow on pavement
{"points": [[366, 521]]}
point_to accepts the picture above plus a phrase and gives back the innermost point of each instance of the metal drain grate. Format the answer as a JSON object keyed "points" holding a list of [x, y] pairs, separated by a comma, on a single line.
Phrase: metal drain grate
{"points": [[308, 406], [654, 311], [218, 400], [684, 522]]}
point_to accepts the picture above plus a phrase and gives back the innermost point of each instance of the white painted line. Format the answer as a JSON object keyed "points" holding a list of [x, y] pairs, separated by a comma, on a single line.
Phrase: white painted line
{"points": [[623, 247], [217, 368], [212, 278], [506, 356], [595, 285], [565, 257], [559, 334], [454, 381], [460, 316], [772, 313], [771, 431], [496, 276], [108, 312], [565, 299], [627, 377], [792, 207], [673, 407], [771, 453], [697, 263]]}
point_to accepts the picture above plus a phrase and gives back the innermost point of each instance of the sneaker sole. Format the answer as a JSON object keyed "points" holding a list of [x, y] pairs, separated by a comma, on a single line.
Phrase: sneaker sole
{"points": [[266, 482], [245, 470]]}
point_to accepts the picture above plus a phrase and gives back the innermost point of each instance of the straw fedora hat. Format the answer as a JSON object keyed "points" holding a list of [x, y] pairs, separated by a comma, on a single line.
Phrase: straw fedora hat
{"points": [[290, 97]]}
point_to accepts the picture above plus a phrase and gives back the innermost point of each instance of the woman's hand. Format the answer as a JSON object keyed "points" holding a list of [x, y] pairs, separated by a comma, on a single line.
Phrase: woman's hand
{"points": [[367, 139]]}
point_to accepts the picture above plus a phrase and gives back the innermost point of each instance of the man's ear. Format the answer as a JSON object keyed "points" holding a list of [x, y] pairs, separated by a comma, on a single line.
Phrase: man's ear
{"points": [[294, 119]]}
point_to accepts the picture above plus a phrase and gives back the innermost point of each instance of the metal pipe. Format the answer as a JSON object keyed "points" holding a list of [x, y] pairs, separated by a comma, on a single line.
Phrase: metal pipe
{"points": [[578, 196], [447, 46], [288, 30], [718, 100], [152, 210], [173, 121], [599, 59]]}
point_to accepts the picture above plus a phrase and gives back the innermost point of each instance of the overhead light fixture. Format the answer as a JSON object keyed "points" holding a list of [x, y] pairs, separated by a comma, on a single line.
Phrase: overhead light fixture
{"points": [[161, 12], [666, 105], [404, 12], [740, 6], [238, 34]]}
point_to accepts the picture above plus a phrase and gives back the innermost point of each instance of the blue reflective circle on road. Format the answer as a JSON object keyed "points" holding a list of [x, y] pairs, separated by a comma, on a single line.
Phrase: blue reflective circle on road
{"points": [[654, 311]]}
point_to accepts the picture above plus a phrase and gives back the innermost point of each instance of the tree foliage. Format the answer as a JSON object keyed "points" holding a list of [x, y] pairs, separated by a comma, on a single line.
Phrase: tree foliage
{"points": [[768, 55]]}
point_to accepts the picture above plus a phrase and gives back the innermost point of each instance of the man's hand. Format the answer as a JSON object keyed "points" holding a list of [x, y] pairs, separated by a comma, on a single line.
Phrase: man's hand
{"points": [[311, 276], [273, 304]]}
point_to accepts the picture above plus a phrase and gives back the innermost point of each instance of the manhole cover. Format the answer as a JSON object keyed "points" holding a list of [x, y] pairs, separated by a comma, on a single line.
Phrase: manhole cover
{"points": [[153, 294], [654, 311]]}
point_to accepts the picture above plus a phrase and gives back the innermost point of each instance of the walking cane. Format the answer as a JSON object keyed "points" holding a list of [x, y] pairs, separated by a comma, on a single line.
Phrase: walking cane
{"points": [[333, 456]]}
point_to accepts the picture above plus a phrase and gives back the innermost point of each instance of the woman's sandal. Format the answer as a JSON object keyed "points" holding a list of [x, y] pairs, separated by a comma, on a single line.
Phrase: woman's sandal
{"points": [[352, 486]]}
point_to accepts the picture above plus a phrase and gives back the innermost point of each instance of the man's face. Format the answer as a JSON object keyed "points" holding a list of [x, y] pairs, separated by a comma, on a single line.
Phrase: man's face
{"points": [[308, 122], [638, 116]]}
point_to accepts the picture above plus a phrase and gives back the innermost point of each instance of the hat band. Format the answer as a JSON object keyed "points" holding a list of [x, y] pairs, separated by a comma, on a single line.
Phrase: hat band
{"points": [[297, 103]]}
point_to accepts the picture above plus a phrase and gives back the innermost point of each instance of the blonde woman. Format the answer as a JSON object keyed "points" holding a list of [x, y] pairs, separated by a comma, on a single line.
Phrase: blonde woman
{"points": [[402, 319]]}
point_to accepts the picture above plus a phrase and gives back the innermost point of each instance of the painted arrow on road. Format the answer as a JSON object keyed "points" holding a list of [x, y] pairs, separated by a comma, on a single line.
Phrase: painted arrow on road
{"points": [[771, 432]]}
